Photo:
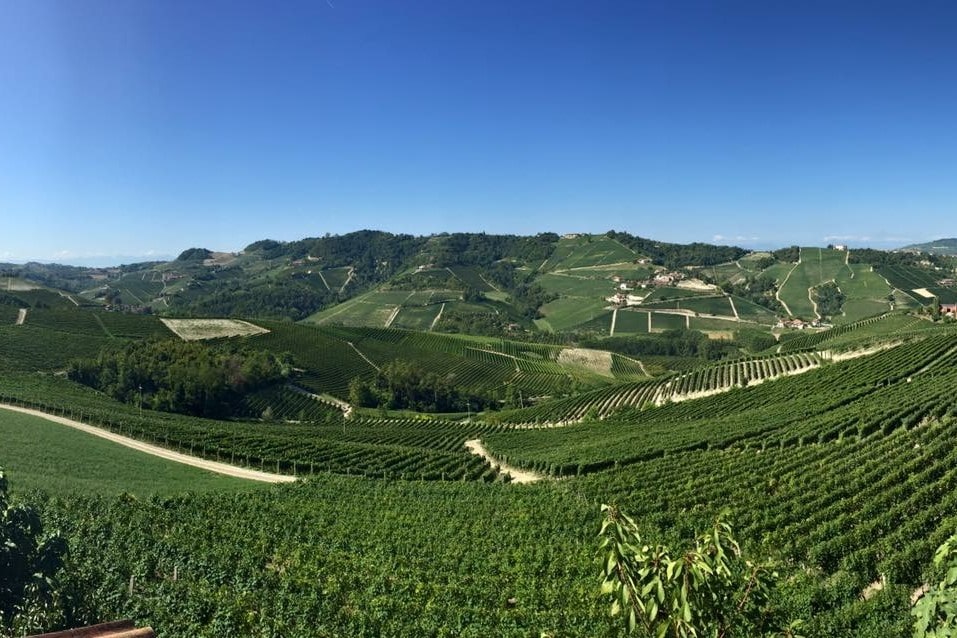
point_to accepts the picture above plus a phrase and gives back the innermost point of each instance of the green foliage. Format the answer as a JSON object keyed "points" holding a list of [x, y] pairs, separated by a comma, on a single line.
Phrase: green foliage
{"points": [[791, 254], [758, 289], [29, 562], [679, 255], [754, 340], [181, 376], [674, 343], [935, 614], [194, 254], [402, 385], [707, 590], [829, 299]]}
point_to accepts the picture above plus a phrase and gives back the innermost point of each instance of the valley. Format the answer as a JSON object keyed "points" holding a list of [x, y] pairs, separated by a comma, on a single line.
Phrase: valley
{"points": [[449, 415]]}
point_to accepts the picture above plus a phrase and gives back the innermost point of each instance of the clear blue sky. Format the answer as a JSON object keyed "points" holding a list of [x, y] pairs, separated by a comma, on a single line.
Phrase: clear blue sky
{"points": [[142, 128]]}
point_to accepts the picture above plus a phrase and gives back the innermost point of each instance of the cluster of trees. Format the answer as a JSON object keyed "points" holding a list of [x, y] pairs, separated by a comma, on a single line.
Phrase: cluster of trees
{"points": [[401, 385], [679, 255], [829, 299], [181, 376], [754, 340], [488, 324], [791, 254], [886, 258], [194, 254], [760, 289], [671, 343], [479, 249], [284, 299]]}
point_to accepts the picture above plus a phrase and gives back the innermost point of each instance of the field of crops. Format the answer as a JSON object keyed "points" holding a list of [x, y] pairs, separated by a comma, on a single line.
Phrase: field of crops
{"points": [[139, 288], [843, 469], [889, 327], [39, 454], [368, 309], [569, 312], [288, 448], [845, 473], [907, 278], [29, 348], [574, 285], [587, 251], [335, 278], [713, 305], [699, 381], [826, 403]]}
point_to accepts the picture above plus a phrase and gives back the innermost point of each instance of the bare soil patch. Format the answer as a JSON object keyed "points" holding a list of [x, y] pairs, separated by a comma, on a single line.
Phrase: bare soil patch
{"points": [[594, 360], [197, 329], [518, 476]]}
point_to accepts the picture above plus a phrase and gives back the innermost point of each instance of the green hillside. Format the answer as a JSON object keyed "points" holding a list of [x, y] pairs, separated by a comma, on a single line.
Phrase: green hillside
{"points": [[674, 427], [52, 457], [834, 452], [935, 247]]}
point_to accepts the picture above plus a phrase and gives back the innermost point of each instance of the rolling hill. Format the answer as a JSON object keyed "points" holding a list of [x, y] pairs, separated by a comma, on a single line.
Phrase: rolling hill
{"points": [[830, 448]]}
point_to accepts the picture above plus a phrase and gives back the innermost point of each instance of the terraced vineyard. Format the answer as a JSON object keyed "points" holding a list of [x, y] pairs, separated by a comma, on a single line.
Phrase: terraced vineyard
{"points": [[698, 382], [876, 394]]}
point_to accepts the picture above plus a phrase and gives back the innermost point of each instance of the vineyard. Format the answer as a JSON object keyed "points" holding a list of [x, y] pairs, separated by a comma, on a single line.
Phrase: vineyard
{"points": [[844, 472], [333, 356], [898, 388], [696, 383], [840, 468], [409, 449]]}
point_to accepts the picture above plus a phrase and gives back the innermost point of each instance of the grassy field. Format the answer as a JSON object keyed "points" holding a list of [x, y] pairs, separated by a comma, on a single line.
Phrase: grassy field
{"points": [[704, 305], [569, 312], [41, 455], [416, 317], [866, 293], [371, 309], [631, 322], [818, 265], [588, 250]]}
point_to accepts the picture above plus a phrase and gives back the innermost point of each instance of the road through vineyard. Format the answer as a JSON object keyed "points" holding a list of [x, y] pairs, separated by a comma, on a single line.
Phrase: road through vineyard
{"points": [[212, 466]]}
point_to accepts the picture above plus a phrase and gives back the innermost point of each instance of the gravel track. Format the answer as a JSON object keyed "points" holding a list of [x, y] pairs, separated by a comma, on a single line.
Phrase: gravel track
{"points": [[155, 450]]}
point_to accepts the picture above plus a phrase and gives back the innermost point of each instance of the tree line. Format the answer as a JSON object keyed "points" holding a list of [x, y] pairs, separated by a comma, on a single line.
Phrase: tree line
{"points": [[181, 376]]}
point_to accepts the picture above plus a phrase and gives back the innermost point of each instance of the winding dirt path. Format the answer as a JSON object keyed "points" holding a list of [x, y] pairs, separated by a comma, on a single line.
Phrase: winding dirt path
{"points": [[21, 316], [518, 476], [437, 317], [777, 293], [155, 450]]}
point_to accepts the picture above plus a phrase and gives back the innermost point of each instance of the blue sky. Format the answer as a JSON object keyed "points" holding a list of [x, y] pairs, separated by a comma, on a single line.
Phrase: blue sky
{"points": [[139, 129]]}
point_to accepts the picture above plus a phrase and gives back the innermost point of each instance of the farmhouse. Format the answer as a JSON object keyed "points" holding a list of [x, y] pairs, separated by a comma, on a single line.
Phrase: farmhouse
{"points": [[948, 309], [796, 324]]}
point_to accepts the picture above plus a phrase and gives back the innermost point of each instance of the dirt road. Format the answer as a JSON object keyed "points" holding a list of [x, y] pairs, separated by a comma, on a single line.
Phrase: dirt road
{"points": [[518, 476], [155, 450]]}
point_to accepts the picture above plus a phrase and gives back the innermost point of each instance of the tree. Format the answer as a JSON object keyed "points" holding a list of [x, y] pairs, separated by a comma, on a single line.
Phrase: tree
{"points": [[29, 562], [707, 590]]}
